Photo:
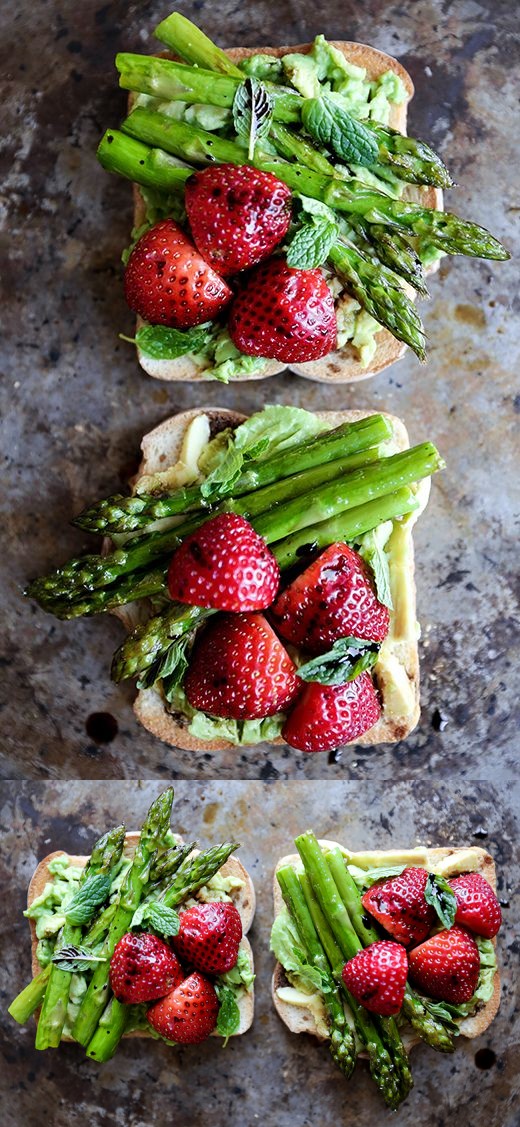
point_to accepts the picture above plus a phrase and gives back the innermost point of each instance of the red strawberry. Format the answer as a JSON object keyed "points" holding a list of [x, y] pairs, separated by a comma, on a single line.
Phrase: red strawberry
{"points": [[209, 937], [376, 977], [447, 965], [142, 968], [327, 716], [240, 670], [188, 1014], [399, 906], [284, 314], [168, 282], [225, 564], [477, 905], [333, 598], [237, 215]]}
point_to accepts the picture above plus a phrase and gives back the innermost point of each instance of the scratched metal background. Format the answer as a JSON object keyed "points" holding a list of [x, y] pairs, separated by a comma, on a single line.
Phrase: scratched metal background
{"points": [[75, 403], [269, 1076]]}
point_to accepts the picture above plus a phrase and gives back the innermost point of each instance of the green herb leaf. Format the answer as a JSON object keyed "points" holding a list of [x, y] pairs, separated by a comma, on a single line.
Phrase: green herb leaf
{"points": [[312, 242], [228, 1021], [440, 895], [170, 668], [75, 959], [329, 124], [384, 872], [445, 1012], [252, 112], [344, 662], [164, 921], [88, 898], [373, 553], [162, 343]]}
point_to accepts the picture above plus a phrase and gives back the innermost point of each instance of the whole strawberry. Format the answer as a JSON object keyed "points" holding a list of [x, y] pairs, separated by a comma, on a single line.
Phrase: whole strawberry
{"points": [[143, 967], [398, 904], [209, 936], [168, 282], [447, 966], [226, 565], [240, 670], [333, 598], [187, 1014], [284, 314], [376, 977], [237, 215], [477, 906], [328, 716]]}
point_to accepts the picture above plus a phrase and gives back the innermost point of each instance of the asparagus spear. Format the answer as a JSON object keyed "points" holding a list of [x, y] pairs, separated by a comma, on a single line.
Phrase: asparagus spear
{"points": [[188, 41], [342, 1042], [382, 1068], [410, 159], [447, 231], [125, 514], [118, 152], [394, 251], [28, 1000], [428, 1028], [106, 853], [377, 291], [148, 643], [96, 997], [196, 872], [165, 866], [335, 911]]}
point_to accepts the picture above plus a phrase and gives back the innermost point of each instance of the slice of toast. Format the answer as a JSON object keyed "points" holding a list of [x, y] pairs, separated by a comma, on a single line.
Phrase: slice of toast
{"points": [[161, 449], [341, 366], [447, 860], [243, 898]]}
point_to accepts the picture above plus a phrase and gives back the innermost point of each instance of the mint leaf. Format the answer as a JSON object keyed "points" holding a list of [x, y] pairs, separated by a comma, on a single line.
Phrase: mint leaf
{"points": [[329, 124], [161, 919], [344, 662], [384, 872], [75, 959], [159, 342], [440, 895], [85, 902], [252, 112], [312, 242], [228, 1020], [170, 668]]}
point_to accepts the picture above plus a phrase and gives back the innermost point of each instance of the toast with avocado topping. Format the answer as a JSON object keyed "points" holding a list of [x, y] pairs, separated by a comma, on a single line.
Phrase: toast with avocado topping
{"points": [[283, 218], [351, 938], [81, 914], [312, 503]]}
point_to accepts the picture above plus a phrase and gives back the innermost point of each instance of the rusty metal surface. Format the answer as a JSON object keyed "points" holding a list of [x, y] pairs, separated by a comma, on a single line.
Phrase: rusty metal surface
{"points": [[75, 403], [269, 1076]]}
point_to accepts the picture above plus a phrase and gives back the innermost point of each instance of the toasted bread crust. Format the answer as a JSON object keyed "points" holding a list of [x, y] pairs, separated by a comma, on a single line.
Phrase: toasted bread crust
{"points": [[149, 705], [302, 1021], [342, 366], [244, 900]]}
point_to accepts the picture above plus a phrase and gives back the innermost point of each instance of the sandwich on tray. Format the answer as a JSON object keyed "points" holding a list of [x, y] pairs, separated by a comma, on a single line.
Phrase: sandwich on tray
{"points": [[144, 938], [377, 951], [263, 568], [282, 216]]}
